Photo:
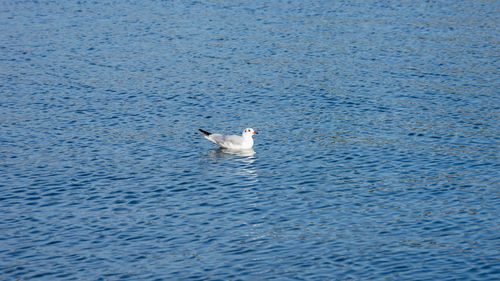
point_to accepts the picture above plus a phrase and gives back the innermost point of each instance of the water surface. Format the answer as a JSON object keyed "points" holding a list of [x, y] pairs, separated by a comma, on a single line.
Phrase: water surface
{"points": [[376, 159]]}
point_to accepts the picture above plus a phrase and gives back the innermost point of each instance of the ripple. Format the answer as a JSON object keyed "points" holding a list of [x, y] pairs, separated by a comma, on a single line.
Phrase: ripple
{"points": [[376, 159]]}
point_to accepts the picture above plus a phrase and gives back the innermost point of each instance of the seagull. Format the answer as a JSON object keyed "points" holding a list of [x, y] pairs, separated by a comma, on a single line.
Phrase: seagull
{"points": [[233, 142]]}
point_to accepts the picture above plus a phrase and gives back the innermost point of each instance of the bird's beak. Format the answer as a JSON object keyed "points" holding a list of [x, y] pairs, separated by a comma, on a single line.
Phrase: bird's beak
{"points": [[255, 133]]}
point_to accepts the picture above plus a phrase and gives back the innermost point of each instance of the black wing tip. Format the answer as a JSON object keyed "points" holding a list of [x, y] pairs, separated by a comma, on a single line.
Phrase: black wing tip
{"points": [[205, 132]]}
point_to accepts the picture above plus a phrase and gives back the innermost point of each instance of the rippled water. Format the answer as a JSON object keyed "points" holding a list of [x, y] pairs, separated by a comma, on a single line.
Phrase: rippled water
{"points": [[377, 156]]}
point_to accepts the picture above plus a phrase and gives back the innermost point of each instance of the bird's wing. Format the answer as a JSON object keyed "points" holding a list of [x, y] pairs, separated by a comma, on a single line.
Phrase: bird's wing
{"points": [[230, 141], [215, 138], [234, 140]]}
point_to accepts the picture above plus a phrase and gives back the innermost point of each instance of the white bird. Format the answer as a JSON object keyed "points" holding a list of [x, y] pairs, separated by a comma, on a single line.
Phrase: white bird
{"points": [[233, 142]]}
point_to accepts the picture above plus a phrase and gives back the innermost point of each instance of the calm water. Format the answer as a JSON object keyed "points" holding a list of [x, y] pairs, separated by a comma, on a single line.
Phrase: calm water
{"points": [[377, 157]]}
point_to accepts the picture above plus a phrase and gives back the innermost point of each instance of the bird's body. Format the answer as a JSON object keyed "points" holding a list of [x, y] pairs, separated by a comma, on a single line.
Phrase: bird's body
{"points": [[233, 142]]}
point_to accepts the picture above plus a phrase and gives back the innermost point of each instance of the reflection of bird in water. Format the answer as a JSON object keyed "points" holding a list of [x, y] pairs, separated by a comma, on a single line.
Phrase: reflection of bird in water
{"points": [[244, 153], [245, 157], [232, 142]]}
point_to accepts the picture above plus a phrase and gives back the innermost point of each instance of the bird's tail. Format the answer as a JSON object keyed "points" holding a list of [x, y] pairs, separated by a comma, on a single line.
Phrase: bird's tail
{"points": [[205, 132]]}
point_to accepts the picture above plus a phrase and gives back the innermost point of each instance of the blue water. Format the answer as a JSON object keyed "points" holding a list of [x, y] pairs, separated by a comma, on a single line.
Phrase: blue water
{"points": [[377, 156]]}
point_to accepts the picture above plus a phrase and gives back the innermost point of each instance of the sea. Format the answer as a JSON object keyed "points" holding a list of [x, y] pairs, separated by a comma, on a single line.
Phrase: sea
{"points": [[377, 156]]}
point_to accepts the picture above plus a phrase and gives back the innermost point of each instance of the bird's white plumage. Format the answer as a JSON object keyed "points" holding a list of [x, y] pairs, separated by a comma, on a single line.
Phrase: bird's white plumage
{"points": [[233, 142]]}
